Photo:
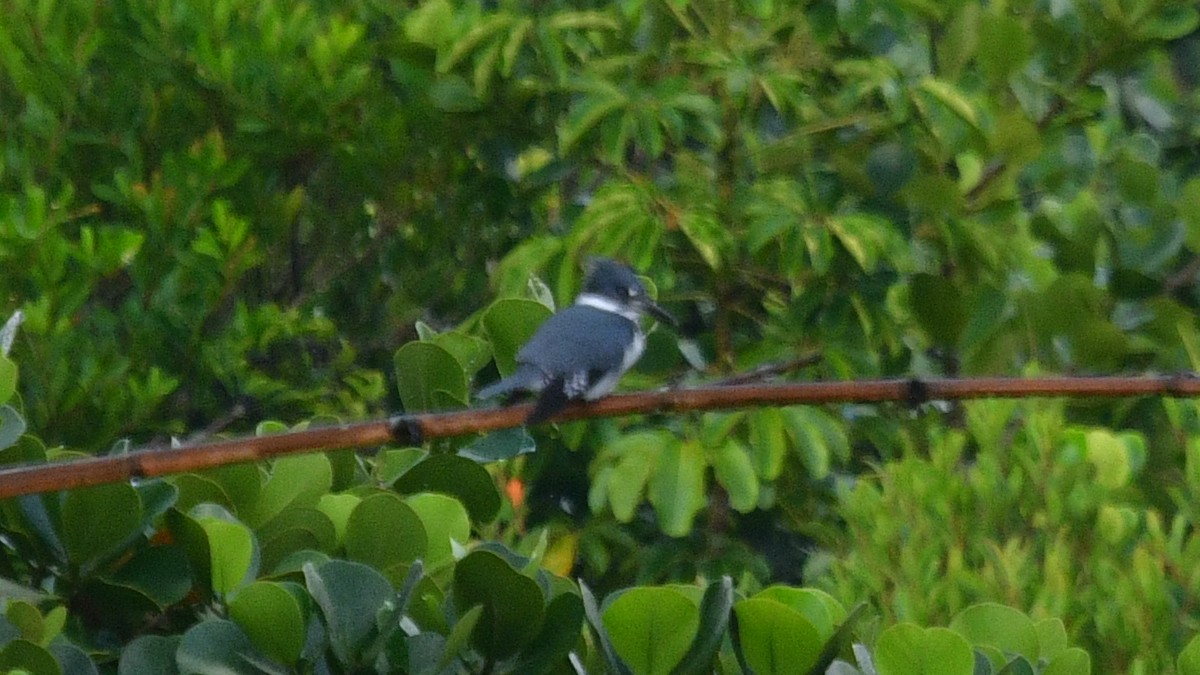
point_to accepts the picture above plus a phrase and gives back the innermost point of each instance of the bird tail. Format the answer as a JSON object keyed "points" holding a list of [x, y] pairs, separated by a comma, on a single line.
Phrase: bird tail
{"points": [[526, 378], [550, 402]]}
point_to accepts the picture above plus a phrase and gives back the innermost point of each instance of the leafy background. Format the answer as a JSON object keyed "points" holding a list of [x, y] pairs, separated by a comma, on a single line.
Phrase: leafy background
{"points": [[214, 214]]}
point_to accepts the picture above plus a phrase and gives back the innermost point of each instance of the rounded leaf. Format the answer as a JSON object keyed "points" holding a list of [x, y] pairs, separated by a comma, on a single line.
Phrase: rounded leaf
{"points": [[509, 323], [383, 531], [458, 477], [350, 595], [513, 605], [160, 572], [149, 654], [429, 377], [1075, 661], [295, 481], [444, 519], [96, 520], [651, 628], [907, 649], [231, 549], [23, 656], [821, 609], [559, 634], [272, 618], [338, 509], [72, 659], [216, 647], [774, 638], [999, 626], [196, 489]]}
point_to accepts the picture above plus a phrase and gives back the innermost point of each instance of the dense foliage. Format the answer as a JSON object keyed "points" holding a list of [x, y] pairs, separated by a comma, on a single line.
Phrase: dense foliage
{"points": [[218, 213]]}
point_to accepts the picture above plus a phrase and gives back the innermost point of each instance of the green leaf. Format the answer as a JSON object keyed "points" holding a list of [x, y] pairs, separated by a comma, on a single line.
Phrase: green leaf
{"points": [[500, 445], [999, 626], [27, 619], [637, 456], [821, 609], [592, 611], [734, 470], [938, 307], [677, 486], [72, 659], [22, 656], [481, 32], [429, 378], [582, 20], [768, 443], [12, 426], [217, 647], [445, 520], [393, 462], [906, 649], [317, 528], [458, 477], [453, 94], [513, 605], [594, 108], [350, 596], [96, 520], [1110, 456], [816, 437], [338, 509], [8, 378], [948, 95], [459, 636], [706, 235], [405, 541], [273, 619], [715, 610], [559, 635], [1188, 662], [773, 638], [1075, 661], [651, 628], [241, 482], [430, 23], [1004, 45], [149, 654], [471, 352], [299, 480], [1018, 665], [509, 323], [160, 572], [233, 556]]}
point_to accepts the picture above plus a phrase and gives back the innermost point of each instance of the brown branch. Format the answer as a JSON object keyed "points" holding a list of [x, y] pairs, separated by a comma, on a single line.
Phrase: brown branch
{"points": [[417, 428]]}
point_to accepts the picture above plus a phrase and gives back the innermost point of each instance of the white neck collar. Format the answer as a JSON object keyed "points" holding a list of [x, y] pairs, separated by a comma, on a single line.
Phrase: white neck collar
{"points": [[606, 304]]}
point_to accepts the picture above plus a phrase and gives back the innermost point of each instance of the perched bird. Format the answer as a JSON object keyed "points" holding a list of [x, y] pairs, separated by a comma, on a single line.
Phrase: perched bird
{"points": [[582, 351]]}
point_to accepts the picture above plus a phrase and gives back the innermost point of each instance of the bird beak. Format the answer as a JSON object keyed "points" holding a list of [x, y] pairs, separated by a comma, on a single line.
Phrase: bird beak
{"points": [[659, 313]]}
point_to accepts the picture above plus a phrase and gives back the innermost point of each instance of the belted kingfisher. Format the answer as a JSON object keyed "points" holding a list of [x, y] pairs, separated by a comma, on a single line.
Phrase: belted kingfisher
{"points": [[582, 351]]}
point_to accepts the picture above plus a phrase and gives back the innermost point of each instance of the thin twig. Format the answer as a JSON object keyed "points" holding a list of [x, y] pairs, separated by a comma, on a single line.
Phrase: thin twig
{"points": [[770, 370]]}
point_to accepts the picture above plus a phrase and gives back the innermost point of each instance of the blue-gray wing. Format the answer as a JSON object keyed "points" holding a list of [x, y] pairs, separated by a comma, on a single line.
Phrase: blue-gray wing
{"points": [[579, 339]]}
